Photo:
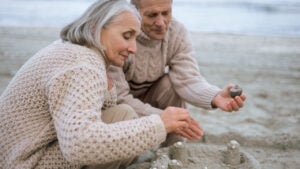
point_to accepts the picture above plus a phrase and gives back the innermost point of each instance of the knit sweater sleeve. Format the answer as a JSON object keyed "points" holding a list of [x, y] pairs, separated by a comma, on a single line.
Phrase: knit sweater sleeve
{"points": [[75, 98], [184, 72], [124, 95]]}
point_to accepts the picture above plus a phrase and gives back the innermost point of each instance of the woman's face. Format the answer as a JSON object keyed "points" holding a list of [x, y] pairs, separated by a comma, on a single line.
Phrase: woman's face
{"points": [[119, 38]]}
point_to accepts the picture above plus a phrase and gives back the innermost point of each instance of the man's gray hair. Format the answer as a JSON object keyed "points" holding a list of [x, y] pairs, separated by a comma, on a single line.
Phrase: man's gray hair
{"points": [[86, 30], [137, 3]]}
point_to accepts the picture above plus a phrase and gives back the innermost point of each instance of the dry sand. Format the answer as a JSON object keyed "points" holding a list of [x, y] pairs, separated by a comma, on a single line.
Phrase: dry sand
{"points": [[267, 68]]}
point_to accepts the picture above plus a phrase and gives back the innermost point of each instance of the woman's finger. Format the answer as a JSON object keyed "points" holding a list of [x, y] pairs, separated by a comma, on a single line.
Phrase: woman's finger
{"points": [[195, 128], [184, 134]]}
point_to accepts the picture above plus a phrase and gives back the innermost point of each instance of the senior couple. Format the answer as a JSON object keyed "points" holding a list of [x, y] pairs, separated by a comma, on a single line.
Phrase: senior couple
{"points": [[114, 86]]}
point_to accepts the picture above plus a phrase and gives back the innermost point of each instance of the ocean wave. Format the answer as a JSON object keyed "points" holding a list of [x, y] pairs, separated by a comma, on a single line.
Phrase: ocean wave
{"points": [[267, 17], [264, 6]]}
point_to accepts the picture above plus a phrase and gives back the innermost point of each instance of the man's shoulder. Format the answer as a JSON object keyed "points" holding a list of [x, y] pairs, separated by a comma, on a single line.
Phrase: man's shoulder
{"points": [[176, 26], [176, 32]]}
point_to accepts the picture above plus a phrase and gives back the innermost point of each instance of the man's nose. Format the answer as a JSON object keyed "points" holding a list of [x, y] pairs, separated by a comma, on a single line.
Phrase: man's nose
{"points": [[159, 20]]}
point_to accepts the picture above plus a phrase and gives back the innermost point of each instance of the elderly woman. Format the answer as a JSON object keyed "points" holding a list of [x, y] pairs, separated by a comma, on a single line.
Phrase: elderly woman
{"points": [[60, 111]]}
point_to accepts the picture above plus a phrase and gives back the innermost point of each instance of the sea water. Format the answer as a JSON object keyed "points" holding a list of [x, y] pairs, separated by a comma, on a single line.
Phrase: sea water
{"points": [[250, 17]]}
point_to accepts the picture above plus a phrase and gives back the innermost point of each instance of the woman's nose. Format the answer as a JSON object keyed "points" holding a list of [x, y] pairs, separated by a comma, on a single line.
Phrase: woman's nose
{"points": [[132, 47]]}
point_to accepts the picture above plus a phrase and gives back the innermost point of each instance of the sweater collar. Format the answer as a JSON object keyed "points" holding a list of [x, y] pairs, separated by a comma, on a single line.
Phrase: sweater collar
{"points": [[100, 52], [107, 62], [146, 40]]}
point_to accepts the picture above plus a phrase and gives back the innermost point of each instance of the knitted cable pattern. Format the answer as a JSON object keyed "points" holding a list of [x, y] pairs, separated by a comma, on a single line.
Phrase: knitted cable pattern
{"points": [[174, 52]]}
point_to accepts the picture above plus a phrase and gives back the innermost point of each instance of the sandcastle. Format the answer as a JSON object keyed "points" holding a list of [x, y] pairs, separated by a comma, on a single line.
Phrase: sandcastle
{"points": [[183, 155]]}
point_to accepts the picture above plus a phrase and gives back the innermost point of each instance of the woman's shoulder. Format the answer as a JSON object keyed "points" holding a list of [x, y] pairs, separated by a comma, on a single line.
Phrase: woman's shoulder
{"points": [[75, 53], [73, 49], [60, 57]]}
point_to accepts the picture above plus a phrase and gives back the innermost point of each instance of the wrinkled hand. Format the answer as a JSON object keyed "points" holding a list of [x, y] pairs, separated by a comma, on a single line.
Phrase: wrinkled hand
{"points": [[224, 101], [178, 120], [193, 132]]}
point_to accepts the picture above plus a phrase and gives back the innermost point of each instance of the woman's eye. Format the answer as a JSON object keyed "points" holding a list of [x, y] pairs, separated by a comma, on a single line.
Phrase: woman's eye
{"points": [[127, 35]]}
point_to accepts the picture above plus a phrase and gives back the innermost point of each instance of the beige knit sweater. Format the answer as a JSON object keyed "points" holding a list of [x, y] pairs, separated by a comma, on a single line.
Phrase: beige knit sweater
{"points": [[153, 57], [50, 114]]}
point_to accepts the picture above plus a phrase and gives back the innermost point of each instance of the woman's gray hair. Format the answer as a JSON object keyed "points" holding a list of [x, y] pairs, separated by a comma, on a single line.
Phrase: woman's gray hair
{"points": [[86, 30]]}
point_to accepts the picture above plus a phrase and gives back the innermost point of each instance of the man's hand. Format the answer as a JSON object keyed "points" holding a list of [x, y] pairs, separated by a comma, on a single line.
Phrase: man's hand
{"points": [[224, 101]]}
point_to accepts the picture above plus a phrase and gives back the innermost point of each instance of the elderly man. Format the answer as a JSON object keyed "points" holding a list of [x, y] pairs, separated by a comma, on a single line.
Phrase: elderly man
{"points": [[163, 72]]}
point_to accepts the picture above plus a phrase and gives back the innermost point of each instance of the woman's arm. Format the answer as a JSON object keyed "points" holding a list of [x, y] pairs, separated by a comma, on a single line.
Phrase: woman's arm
{"points": [[75, 99]]}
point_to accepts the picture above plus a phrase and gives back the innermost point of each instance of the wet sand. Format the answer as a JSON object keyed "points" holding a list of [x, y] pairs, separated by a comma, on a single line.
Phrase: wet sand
{"points": [[267, 68]]}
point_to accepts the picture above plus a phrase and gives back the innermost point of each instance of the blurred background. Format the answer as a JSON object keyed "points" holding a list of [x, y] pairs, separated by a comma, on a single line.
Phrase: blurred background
{"points": [[249, 17], [265, 63]]}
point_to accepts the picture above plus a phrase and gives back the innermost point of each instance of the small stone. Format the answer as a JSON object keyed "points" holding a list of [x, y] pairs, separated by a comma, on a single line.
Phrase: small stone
{"points": [[161, 162], [175, 164], [236, 91], [179, 144]]}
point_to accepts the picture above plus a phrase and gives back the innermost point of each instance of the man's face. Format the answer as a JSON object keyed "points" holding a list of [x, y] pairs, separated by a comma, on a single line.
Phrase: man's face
{"points": [[156, 16]]}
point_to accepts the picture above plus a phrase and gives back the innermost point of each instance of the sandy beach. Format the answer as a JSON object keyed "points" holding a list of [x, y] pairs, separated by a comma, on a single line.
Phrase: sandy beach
{"points": [[267, 68]]}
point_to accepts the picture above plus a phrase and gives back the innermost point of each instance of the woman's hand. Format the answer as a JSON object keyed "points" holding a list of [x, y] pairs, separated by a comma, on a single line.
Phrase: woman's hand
{"points": [[224, 101], [193, 132], [179, 121]]}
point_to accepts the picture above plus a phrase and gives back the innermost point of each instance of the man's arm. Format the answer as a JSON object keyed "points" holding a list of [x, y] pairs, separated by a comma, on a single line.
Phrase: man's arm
{"points": [[189, 83], [124, 95], [184, 72]]}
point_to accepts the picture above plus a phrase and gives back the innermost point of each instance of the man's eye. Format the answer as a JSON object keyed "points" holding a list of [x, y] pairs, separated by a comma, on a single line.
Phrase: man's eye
{"points": [[165, 13], [152, 15]]}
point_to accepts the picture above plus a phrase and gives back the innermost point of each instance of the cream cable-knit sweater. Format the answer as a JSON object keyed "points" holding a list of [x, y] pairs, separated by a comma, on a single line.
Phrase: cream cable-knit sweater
{"points": [[149, 64], [51, 114]]}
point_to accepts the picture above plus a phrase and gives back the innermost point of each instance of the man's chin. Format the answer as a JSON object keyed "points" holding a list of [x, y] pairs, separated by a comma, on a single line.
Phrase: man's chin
{"points": [[158, 36]]}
